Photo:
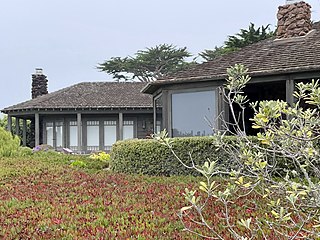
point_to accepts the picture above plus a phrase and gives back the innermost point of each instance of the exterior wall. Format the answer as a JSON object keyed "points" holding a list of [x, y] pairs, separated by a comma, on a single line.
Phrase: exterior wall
{"points": [[287, 82], [144, 125]]}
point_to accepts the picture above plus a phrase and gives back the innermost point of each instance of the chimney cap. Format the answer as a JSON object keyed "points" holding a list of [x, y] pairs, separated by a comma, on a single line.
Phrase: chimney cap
{"points": [[292, 1], [39, 71]]}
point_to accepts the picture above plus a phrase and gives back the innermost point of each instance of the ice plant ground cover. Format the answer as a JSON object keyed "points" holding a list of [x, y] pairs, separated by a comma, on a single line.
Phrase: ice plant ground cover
{"points": [[45, 198]]}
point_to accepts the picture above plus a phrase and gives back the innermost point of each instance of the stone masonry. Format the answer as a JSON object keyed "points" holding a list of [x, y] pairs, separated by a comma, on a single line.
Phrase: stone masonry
{"points": [[39, 84], [294, 20]]}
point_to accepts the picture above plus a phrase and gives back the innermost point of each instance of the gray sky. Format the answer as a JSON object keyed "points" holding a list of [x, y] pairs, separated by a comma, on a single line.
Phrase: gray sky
{"points": [[68, 38]]}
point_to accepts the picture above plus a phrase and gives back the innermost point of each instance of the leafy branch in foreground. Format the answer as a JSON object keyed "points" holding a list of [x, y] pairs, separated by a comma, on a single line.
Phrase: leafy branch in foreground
{"points": [[279, 169]]}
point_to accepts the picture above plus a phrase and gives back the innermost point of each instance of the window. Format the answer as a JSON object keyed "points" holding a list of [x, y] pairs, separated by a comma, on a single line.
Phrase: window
{"points": [[73, 135], [59, 134], [110, 134], [93, 135], [49, 133], [193, 113], [128, 129], [54, 134]]}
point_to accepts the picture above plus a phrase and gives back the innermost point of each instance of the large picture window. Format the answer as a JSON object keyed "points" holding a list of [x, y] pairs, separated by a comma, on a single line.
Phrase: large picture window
{"points": [[193, 113]]}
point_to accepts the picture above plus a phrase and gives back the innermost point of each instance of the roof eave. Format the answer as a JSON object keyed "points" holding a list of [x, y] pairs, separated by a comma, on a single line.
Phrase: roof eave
{"points": [[33, 109], [151, 87]]}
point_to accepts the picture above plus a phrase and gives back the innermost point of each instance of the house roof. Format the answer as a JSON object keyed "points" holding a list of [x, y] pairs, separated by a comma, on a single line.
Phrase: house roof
{"points": [[267, 57], [88, 95]]}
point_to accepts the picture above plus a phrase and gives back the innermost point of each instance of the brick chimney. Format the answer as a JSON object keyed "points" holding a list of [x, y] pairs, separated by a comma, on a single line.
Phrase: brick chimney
{"points": [[39, 83], [294, 19]]}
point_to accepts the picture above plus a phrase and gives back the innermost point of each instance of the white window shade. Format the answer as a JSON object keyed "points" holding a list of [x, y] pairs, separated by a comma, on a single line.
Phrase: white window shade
{"points": [[128, 130], [73, 135], [49, 133], [59, 134], [93, 135], [110, 133]]}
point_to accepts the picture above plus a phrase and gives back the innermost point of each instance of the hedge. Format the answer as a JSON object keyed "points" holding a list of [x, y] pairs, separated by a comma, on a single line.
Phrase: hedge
{"points": [[146, 156]]}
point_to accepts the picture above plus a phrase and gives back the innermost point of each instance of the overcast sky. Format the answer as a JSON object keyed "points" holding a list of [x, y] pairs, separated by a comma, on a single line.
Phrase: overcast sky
{"points": [[68, 38]]}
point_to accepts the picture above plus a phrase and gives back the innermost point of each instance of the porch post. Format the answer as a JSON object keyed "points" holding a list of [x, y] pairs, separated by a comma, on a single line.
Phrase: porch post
{"points": [[79, 132], [37, 129], [9, 126], [120, 126], [24, 133], [17, 126], [289, 91]]}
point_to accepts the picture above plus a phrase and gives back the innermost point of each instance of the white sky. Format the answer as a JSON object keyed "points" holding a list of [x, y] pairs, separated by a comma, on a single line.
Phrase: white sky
{"points": [[68, 38]]}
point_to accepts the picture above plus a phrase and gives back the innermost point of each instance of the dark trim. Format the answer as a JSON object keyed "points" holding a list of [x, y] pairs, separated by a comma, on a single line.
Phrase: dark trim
{"points": [[31, 111], [261, 76], [155, 112], [37, 129]]}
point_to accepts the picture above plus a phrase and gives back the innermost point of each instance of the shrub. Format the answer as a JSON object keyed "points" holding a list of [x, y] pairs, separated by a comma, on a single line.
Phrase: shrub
{"points": [[288, 134], [78, 163], [147, 156], [24, 151], [103, 157], [9, 144]]}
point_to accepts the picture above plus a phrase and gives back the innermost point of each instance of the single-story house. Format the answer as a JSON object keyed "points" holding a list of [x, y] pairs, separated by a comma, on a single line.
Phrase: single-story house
{"points": [[188, 103], [85, 117], [92, 116]]}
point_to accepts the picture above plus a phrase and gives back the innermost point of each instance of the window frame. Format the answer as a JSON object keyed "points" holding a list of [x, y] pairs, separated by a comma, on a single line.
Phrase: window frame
{"points": [[54, 131], [155, 113]]}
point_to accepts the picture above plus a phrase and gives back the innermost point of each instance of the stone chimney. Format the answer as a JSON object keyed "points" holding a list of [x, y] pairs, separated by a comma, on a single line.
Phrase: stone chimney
{"points": [[294, 19], [39, 83]]}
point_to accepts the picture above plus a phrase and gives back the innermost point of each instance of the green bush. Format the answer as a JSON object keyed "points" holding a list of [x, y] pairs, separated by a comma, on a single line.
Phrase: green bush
{"points": [[24, 151], [9, 144], [146, 156], [103, 157]]}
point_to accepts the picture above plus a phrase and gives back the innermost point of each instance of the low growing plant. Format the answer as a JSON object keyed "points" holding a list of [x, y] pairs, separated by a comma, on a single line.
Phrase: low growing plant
{"points": [[103, 157]]}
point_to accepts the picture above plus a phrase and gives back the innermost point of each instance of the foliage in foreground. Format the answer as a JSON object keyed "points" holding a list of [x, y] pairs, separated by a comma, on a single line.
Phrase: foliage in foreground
{"points": [[43, 198], [9, 144], [147, 156], [4, 125], [292, 202]]}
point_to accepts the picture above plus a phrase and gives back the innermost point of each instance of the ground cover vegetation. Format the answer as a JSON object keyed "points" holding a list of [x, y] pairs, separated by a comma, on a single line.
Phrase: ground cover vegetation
{"points": [[45, 195]]}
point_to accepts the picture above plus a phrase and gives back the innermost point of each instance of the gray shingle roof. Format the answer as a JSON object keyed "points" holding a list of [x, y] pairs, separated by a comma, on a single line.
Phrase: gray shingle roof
{"points": [[90, 95], [267, 57]]}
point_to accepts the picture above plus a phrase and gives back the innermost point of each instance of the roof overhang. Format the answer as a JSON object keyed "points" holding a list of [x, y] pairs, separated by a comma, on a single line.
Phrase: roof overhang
{"points": [[152, 87], [26, 111]]}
